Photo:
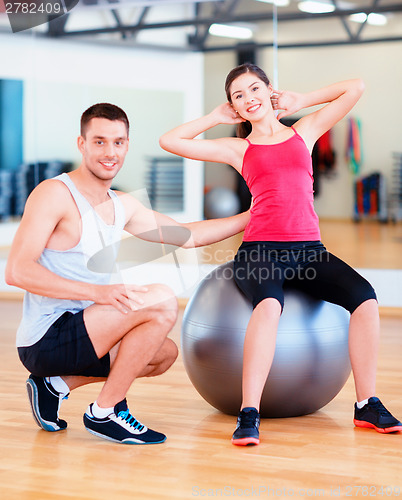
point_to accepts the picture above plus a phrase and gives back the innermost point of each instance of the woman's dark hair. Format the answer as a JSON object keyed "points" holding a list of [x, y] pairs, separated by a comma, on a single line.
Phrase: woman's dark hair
{"points": [[103, 110], [244, 128]]}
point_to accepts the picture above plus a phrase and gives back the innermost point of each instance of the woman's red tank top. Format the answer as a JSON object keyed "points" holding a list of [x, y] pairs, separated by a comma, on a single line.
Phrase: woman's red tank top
{"points": [[280, 179]]}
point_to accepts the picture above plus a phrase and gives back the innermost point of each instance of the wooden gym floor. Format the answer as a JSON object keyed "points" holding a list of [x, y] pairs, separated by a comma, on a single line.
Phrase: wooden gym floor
{"points": [[319, 455], [367, 244]]}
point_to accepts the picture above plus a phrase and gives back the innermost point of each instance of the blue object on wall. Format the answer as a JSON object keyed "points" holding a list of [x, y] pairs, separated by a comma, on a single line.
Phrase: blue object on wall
{"points": [[11, 124]]}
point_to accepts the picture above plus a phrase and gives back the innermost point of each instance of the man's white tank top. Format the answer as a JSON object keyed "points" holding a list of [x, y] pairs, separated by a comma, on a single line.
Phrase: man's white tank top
{"points": [[39, 312]]}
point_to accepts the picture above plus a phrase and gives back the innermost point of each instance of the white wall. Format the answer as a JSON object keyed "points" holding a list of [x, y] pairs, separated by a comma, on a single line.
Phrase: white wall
{"points": [[217, 65], [379, 109], [62, 78]]}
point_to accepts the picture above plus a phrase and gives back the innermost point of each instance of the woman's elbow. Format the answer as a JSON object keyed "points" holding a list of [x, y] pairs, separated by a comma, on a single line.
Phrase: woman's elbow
{"points": [[164, 142], [359, 85]]}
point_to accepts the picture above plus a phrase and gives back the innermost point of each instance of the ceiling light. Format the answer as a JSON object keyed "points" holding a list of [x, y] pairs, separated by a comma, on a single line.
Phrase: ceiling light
{"points": [[315, 7], [359, 17], [278, 3], [231, 31], [373, 18], [377, 19]]}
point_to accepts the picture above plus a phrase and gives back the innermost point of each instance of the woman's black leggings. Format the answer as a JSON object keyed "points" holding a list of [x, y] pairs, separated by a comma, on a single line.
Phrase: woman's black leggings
{"points": [[261, 268]]}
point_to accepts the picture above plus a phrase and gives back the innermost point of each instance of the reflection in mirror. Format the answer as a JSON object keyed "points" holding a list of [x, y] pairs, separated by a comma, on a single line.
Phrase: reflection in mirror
{"points": [[40, 114]]}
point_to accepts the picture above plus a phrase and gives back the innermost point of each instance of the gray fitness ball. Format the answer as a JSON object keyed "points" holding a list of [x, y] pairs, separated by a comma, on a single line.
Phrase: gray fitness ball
{"points": [[221, 202], [311, 362]]}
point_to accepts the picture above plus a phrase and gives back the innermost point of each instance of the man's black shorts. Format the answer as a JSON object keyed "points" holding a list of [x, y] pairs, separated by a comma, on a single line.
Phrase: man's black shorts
{"points": [[65, 349]]}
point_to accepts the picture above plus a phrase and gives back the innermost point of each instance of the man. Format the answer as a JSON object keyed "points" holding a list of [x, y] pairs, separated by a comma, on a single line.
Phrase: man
{"points": [[77, 328]]}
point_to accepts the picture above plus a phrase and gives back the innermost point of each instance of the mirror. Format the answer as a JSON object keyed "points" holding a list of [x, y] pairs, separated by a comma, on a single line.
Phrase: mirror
{"points": [[57, 81]]}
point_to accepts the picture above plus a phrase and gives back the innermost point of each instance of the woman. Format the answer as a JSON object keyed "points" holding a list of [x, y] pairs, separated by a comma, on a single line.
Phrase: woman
{"points": [[282, 239]]}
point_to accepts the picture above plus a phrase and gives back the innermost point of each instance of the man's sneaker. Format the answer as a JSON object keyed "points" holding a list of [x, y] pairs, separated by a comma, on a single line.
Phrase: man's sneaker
{"points": [[45, 404], [375, 416], [121, 427], [248, 423]]}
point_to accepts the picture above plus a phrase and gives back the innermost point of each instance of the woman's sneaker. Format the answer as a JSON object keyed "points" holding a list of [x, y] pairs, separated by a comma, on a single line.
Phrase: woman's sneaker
{"points": [[45, 404], [375, 416], [247, 429], [121, 427]]}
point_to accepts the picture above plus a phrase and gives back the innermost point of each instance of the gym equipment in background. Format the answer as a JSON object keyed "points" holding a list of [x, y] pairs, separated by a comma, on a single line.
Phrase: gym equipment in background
{"points": [[221, 202]]}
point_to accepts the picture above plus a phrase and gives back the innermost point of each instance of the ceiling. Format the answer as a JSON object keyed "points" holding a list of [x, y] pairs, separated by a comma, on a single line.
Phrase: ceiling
{"points": [[183, 25]]}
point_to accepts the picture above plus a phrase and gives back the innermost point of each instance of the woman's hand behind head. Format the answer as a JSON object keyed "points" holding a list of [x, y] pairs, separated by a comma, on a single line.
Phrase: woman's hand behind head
{"points": [[225, 114]]}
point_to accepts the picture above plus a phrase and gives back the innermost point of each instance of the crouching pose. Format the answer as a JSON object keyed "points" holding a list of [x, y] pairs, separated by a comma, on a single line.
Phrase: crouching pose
{"points": [[77, 328]]}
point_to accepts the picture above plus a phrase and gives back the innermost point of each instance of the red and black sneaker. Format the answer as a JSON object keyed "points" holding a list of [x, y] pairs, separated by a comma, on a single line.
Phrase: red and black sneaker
{"points": [[247, 429], [374, 415]]}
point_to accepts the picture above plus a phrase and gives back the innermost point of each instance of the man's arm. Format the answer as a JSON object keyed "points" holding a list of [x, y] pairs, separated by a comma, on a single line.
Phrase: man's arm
{"points": [[154, 226], [213, 230], [44, 210]]}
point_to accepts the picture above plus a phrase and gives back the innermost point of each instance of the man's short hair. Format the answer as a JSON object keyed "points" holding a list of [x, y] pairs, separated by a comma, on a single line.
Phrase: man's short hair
{"points": [[103, 110]]}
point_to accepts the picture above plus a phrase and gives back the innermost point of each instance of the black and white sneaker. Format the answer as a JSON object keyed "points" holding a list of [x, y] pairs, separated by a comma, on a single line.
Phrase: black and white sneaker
{"points": [[247, 430], [374, 415], [121, 427], [45, 404]]}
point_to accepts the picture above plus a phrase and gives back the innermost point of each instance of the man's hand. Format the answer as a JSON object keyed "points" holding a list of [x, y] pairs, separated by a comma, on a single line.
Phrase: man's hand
{"points": [[124, 298]]}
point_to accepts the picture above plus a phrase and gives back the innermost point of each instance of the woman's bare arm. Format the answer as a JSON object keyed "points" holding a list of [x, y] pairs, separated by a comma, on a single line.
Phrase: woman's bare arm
{"points": [[339, 99], [182, 139]]}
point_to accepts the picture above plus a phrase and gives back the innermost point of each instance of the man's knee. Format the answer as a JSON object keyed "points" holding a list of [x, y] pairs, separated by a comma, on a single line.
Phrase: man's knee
{"points": [[164, 359], [171, 352], [166, 306], [167, 316], [171, 355]]}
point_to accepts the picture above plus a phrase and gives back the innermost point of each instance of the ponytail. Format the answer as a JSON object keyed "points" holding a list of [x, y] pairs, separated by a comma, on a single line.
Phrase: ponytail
{"points": [[243, 129]]}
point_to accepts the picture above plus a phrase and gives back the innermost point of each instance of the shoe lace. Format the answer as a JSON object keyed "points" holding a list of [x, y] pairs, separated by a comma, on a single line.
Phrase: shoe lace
{"points": [[380, 408], [132, 421], [248, 419]]}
